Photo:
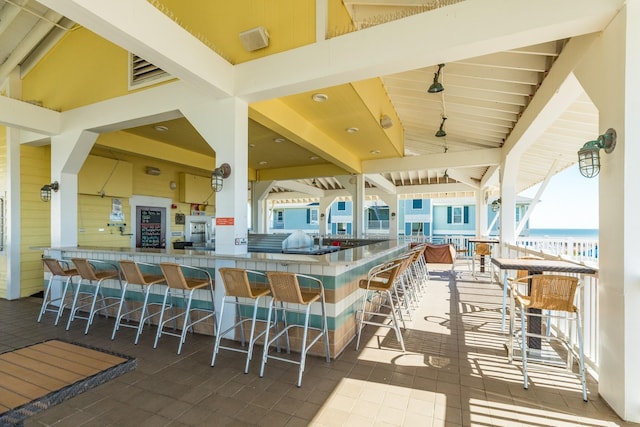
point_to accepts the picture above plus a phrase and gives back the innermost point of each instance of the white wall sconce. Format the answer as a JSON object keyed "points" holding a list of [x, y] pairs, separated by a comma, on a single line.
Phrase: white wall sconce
{"points": [[45, 191], [589, 154]]}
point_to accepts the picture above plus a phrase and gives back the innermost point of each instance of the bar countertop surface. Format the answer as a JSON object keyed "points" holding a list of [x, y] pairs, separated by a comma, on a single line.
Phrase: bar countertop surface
{"points": [[345, 256]]}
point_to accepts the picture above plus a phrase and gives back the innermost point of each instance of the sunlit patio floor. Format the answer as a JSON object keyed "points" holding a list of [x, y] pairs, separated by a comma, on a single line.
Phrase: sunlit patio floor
{"points": [[455, 372]]}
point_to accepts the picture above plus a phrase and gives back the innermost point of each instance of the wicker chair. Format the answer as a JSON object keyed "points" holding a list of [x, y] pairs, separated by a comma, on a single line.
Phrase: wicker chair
{"points": [[380, 282], [288, 297], [555, 294], [242, 292], [59, 272], [134, 276], [510, 282], [179, 285], [93, 278]]}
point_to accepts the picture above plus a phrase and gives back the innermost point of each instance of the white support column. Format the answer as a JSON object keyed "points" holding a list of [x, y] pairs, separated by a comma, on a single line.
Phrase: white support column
{"points": [[482, 215], [224, 125], [615, 59], [259, 193], [354, 184], [392, 201], [68, 153], [13, 198], [323, 207], [508, 175]]}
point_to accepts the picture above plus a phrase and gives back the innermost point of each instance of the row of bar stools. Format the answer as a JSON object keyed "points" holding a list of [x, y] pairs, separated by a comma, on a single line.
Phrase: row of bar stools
{"points": [[59, 270], [133, 275], [92, 289], [178, 283]]}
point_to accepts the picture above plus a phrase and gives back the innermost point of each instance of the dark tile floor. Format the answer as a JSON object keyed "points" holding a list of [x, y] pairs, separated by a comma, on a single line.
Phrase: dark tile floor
{"points": [[455, 372]]}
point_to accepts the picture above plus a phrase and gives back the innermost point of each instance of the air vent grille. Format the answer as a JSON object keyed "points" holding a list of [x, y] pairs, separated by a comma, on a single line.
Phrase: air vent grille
{"points": [[143, 73]]}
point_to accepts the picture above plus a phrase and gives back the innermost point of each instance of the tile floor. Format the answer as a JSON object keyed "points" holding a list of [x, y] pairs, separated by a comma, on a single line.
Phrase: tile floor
{"points": [[454, 373]]}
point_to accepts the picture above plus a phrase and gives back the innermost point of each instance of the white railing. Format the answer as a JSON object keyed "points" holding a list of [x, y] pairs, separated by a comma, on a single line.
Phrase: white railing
{"points": [[587, 301], [581, 250]]}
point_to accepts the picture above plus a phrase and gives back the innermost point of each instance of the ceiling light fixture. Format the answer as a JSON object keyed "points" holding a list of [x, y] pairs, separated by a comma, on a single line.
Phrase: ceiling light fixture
{"points": [[385, 121], [352, 130], [319, 97], [262, 162], [436, 86], [441, 132], [374, 152], [252, 145], [313, 157], [279, 140], [161, 128], [150, 170], [589, 154]]}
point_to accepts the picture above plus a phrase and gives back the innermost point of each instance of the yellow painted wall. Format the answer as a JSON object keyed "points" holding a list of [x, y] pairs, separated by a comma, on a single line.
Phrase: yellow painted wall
{"points": [[81, 69], [3, 192], [94, 211], [35, 230]]}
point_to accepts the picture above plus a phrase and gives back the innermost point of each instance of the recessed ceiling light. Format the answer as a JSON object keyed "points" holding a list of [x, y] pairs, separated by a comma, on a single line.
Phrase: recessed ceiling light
{"points": [[320, 97], [375, 151], [252, 145], [262, 162], [352, 130], [161, 128], [314, 158], [279, 140]]}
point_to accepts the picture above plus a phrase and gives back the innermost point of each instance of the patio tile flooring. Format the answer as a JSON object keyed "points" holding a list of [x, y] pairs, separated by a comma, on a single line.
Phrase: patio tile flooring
{"points": [[455, 373]]}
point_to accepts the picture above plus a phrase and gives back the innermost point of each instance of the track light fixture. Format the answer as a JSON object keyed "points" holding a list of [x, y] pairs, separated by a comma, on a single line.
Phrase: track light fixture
{"points": [[441, 132], [436, 86]]}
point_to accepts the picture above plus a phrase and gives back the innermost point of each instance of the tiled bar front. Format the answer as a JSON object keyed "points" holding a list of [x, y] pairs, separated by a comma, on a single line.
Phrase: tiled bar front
{"points": [[339, 272]]}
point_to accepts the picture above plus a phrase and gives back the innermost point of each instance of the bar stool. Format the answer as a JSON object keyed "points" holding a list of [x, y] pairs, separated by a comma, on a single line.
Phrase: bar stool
{"points": [[177, 283], [61, 273], [134, 276], [294, 300], [482, 250], [94, 279], [380, 280], [555, 294], [237, 285]]}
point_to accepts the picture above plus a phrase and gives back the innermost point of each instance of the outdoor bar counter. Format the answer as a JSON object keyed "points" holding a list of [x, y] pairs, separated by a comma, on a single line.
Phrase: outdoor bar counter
{"points": [[339, 272]]}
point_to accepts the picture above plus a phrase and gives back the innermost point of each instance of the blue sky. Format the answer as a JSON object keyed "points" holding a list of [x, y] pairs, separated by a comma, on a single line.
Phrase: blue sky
{"points": [[569, 201]]}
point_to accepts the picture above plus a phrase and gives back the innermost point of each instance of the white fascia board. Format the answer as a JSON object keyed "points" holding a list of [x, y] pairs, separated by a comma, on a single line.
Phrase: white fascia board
{"points": [[139, 27], [474, 158], [432, 188], [397, 46], [464, 178], [23, 115]]}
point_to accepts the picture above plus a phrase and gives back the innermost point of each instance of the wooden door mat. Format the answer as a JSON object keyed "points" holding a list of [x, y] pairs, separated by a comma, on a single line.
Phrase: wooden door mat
{"points": [[39, 376]]}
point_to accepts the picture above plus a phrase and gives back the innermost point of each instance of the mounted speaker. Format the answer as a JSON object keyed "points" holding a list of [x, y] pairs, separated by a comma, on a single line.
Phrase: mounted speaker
{"points": [[255, 38]]}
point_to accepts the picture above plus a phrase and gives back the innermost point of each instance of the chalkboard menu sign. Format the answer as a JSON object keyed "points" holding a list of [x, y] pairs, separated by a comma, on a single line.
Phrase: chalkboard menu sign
{"points": [[151, 227]]}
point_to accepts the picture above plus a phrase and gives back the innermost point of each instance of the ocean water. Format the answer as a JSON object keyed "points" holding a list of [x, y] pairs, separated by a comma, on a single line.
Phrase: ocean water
{"points": [[584, 233]]}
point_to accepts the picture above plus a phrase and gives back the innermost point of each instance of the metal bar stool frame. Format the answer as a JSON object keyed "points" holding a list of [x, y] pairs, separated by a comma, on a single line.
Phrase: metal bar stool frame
{"points": [[60, 270], [133, 275], [177, 282], [289, 294], [243, 292], [94, 278], [555, 294], [380, 280]]}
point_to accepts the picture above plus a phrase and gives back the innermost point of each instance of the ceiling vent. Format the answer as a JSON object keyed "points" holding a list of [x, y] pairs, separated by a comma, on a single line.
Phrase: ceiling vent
{"points": [[255, 38], [144, 73]]}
